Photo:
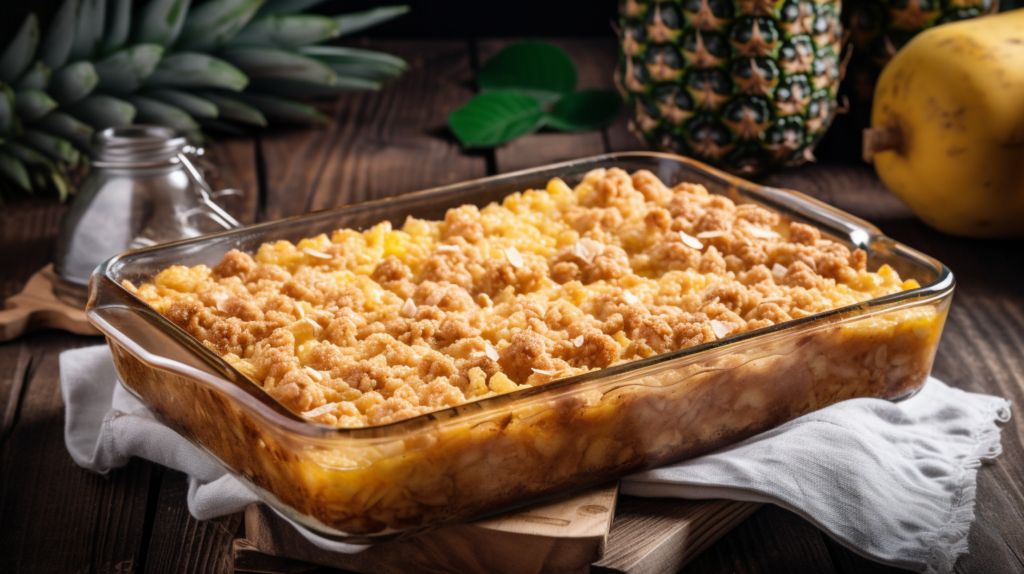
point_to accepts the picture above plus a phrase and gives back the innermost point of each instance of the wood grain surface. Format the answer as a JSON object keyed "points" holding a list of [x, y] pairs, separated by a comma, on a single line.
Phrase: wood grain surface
{"points": [[56, 517]]}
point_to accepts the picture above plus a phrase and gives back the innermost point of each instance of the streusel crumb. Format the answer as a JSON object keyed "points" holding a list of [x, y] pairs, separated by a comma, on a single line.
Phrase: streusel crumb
{"points": [[368, 328]]}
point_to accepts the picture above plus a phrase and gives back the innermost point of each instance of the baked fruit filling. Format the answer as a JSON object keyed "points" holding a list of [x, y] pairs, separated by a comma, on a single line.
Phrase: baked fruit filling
{"points": [[367, 328]]}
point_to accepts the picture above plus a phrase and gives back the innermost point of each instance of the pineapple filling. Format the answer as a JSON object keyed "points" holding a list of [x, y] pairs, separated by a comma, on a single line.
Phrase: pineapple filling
{"points": [[367, 328]]}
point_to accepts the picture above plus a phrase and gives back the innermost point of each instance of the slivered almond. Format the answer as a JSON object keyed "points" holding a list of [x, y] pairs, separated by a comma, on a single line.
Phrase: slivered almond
{"points": [[320, 410], [778, 271], [302, 312], [722, 328], [710, 234], [578, 341], [315, 375], [314, 253], [408, 309], [629, 297], [690, 241], [447, 248], [761, 233], [491, 352], [514, 257], [545, 372]]}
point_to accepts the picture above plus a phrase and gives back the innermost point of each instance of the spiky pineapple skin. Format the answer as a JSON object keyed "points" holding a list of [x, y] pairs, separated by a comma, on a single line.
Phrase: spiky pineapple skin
{"points": [[745, 85]]}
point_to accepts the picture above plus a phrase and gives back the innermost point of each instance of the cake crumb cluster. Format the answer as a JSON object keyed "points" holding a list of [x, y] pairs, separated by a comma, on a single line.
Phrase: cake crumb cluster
{"points": [[367, 328]]}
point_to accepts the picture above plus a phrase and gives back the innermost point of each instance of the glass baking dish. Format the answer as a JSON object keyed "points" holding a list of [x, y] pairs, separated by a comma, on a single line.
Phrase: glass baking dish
{"points": [[376, 483]]}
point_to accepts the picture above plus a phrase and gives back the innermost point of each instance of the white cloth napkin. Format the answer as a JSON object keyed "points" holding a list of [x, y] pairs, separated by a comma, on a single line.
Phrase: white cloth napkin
{"points": [[894, 482]]}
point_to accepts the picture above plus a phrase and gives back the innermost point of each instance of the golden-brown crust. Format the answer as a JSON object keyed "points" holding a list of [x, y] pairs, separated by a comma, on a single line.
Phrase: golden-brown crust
{"points": [[369, 328]]}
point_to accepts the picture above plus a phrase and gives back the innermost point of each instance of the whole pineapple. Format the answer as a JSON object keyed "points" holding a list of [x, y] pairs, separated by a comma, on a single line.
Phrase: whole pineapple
{"points": [[745, 85], [212, 65]]}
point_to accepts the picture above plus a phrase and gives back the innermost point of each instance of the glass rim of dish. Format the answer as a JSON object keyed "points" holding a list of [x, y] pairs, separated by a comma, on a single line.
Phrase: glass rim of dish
{"points": [[825, 217]]}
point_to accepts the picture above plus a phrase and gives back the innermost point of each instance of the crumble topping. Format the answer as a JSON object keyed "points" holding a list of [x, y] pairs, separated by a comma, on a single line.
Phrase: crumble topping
{"points": [[367, 328]]}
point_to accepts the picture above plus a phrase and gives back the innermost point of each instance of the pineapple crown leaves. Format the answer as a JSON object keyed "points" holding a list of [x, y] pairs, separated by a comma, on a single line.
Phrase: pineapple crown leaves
{"points": [[524, 87], [219, 65]]}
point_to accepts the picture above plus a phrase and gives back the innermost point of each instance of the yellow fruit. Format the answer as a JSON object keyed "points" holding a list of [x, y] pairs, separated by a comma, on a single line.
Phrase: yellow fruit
{"points": [[947, 126]]}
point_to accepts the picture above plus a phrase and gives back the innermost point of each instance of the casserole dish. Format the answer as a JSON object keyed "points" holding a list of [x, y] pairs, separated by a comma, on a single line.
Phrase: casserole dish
{"points": [[378, 482]]}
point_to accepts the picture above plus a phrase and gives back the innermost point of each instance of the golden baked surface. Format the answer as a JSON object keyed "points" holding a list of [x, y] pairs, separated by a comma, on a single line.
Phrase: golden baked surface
{"points": [[368, 328]]}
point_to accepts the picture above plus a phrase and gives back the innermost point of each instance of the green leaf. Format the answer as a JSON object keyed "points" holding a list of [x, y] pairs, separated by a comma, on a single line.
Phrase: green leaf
{"points": [[288, 6], [14, 170], [7, 114], [36, 78], [33, 104], [215, 22], [150, 111], [491, 119], [584, 110], [161, 20], [283, 110], [102, 111], [124, 71], [233, 109], [57, 148], [92, 15], [538, 69], [20, 51], [259, 62], [194, 105], [57, 44], [350, 23], [119, 26], [286, 31], [67, 127], [190, 69], [73, 82], [299, 89]]}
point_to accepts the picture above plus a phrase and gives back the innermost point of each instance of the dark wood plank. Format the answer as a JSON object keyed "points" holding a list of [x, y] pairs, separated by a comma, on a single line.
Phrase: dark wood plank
{"points": [[396, 140], [230, 163], [771, 540], [55, 516], [595, 60], [848, 562], [180, 543], [292, 158], [28, 230], [15, 360]]}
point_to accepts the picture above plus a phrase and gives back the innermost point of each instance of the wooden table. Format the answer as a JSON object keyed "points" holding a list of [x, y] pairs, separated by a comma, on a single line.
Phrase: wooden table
{"points": [[56, 517]]}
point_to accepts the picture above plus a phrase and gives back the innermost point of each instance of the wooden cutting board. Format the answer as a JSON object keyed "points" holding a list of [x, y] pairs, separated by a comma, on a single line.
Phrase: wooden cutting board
{"points": [[36, 307], [571, 533]]}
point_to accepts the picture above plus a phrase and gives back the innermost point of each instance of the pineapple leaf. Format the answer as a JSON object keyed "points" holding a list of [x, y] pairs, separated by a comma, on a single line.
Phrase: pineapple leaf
{"points": [[14, 170], [495, 118], [73, 82], [26, 154], [372, 73], [191, 69], [124, 71], [286, 30], [345, 55], [215, 22], [57, 148], [283, 110], [151, 111], [299, 89], [195, 106], [288, 6], [57, 44], [119, 26], [223, 127], [57, 178], [232, 109], [67, 127], [532, 68], [258, 62], [349, 23], [161, 20], [33, 104], [584, 110], [36, 78], [20, 50], [7, 114], [102, 111], [89, 27]]}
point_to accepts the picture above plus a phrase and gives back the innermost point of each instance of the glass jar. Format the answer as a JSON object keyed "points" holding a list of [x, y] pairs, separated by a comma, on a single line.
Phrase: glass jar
{"points": [[142, 190]]}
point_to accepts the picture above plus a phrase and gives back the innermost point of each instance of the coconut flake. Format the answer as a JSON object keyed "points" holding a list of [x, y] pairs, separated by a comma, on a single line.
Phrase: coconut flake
{"points": [[691, 241], [710, 234], [314, 253], [315, 375], [721, 328], [320, 410], [761, 233], [545, 372], [578, 341], [491, 352], [408, 309], [629, 297], [778, 271], [514, 257]]}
